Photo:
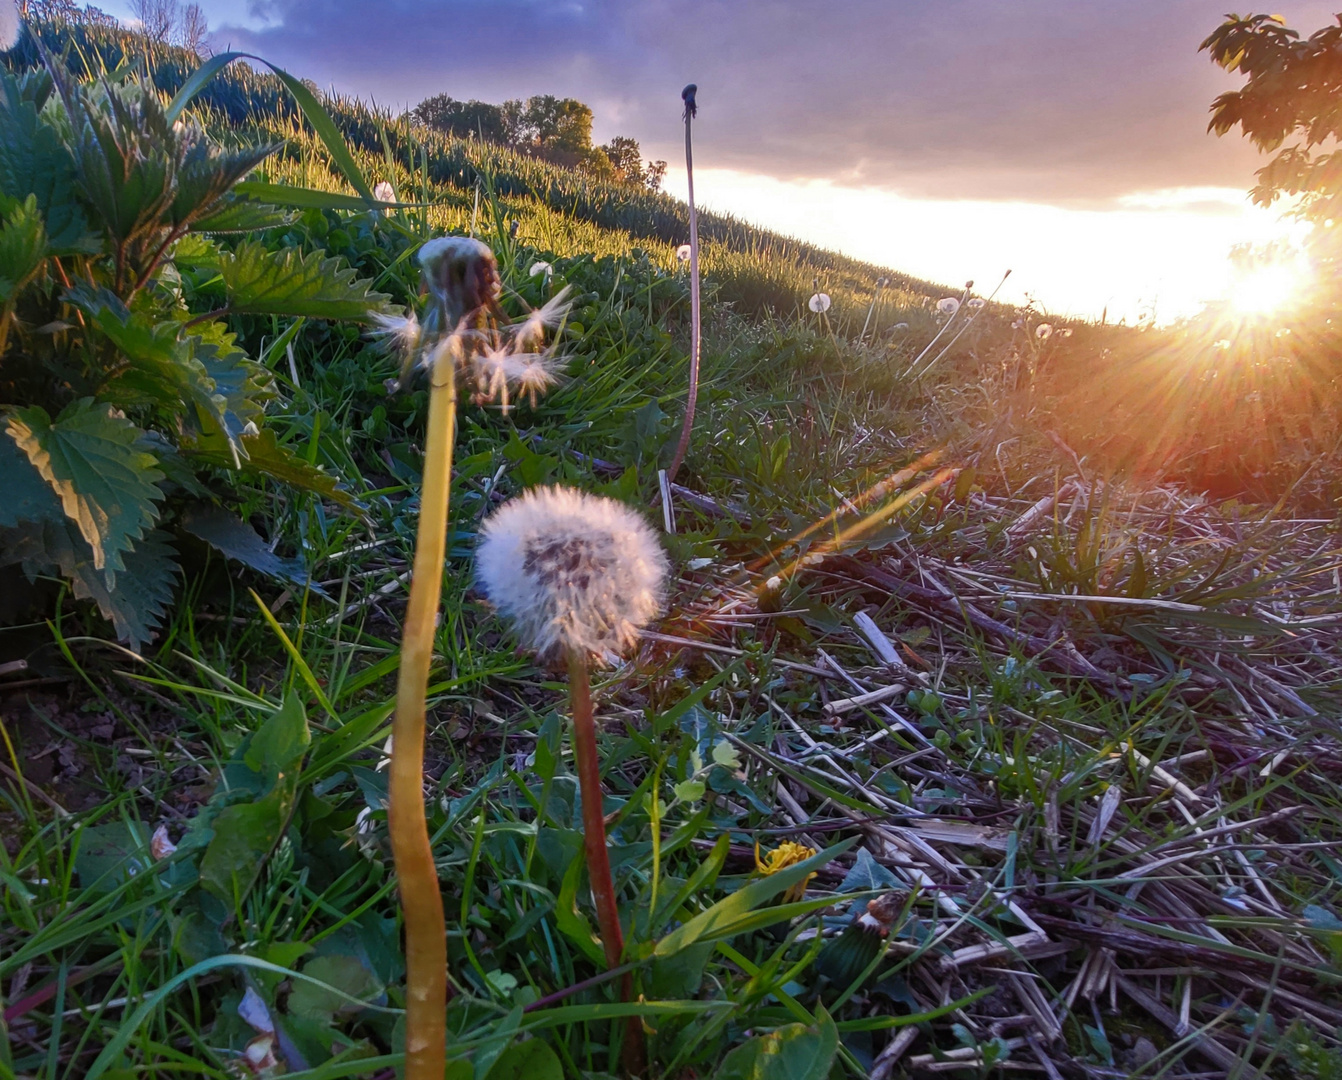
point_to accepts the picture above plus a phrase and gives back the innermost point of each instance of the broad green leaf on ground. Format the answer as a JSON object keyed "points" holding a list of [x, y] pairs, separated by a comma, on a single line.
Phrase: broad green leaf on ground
{"points": [[244, 835], [348, 976], [134, 603], [107, 484], [24, 495], [34, 161], [793, 1052], [23, 247], [109, 855], [277, 748], [265, 456], [287, 282], [530, 1060], [232, 536]]}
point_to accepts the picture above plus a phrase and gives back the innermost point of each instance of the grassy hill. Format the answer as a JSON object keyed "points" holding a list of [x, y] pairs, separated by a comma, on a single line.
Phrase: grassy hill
{"points": [[1075, 721]]}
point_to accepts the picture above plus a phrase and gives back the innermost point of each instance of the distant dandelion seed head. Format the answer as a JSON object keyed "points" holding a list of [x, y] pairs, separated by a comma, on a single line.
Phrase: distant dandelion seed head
{"points": [[1043, 331], [538, 268], [819, 303], [882, 282], [975, 303], [383, 192], [574, 572], [948, 305], [683, 253], [11, 24], [900, 326]]}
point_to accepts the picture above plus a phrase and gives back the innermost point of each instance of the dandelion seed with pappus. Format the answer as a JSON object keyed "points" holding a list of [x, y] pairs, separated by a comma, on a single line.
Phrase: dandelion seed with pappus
{"points": [[683, 253], [976, 303], [546, 317], [948, 305], [1043, 331], [536, 269], [819, 303]]}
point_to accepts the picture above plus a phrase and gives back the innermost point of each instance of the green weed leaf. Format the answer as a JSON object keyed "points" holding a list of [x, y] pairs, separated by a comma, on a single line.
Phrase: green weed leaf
{"points": [[106, 483], [23, 247], [232, 536], [24, 495], [287, 282], [793, 1052], [530, 1060]]}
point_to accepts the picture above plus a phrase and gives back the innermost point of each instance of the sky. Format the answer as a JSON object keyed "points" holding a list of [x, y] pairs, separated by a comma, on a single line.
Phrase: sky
{"points": [[1062, 139]]}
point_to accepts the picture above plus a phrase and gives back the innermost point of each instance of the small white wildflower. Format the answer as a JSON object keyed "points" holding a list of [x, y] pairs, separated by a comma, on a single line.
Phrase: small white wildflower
{"points": [[575, 572], [1043, 331], [531, 329], [11, 24], [538, 268], [683, 253], [160, 847], [819, 302], [773, 584], [948, 305], [975, 303]]}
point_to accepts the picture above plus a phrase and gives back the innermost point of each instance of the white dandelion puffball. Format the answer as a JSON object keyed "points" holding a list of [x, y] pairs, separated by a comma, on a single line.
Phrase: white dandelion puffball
{"points": [[383, 192], [538, 268], [820, 302], [1066, 331], [948, 305], [1043, 331], [975, 303], [683, 253], [11, 24], [574, 572]]}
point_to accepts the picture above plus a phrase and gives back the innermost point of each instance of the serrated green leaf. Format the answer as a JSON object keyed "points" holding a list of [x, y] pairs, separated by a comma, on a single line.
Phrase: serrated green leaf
{"points": [[24, 495], [206, 174], [287, 282], [35, 161], [241, 215], [23, 247], [792, 1052], [134, 602], [111, 854], [530, 1060], [196, 251], [106, 483], [300, 198], [232, 536]]}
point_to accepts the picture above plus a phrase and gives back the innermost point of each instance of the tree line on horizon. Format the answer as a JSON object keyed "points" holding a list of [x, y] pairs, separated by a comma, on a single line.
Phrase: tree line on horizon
{"points": [[558, 130]]}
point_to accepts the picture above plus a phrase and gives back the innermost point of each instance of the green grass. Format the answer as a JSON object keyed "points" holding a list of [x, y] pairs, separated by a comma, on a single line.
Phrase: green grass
{"points": [[1110, 822]]}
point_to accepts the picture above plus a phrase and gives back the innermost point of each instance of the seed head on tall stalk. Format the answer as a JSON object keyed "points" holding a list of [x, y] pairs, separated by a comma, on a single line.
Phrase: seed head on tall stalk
{"points": [[683, 446], [579, 576], [458, 334]]}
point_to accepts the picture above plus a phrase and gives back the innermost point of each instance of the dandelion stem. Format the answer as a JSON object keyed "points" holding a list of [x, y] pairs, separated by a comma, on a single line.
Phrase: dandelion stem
{"points": [[594, 843], [417, 877], [683, 446], [945, 326]]}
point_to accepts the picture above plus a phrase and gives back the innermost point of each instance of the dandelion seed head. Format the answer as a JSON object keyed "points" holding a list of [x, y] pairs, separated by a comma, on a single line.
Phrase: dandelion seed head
{"points": [[683, 253], [948, 305], [462, 275], [882, 282], [574, 572], [819, 302], [383, 192], [975, 303], [1043, 331], [538, 268], [900, 326]]}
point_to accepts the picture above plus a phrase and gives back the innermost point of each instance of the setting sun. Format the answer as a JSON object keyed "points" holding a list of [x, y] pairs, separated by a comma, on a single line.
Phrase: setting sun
{"points": [[1268, 288]]}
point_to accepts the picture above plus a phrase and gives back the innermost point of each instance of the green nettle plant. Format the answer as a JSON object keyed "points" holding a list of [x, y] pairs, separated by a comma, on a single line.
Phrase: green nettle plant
{"points": [[123, 413]]}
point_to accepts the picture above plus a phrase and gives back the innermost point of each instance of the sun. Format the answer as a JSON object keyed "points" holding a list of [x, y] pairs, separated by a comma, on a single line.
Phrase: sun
{"points": [[1267, 288]]}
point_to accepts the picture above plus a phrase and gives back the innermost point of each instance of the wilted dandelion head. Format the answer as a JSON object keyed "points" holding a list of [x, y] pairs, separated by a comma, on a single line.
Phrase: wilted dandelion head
{"points": [[975, 303], [574, 572], [11, 24], [538, 268], [819, 302], [948, 305], [461, 274], [683, 253], [531, 329], [1043, 331]]}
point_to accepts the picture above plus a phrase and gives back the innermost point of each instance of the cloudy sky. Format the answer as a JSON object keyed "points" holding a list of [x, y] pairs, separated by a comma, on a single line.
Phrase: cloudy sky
{"points": [[1064, 138]]}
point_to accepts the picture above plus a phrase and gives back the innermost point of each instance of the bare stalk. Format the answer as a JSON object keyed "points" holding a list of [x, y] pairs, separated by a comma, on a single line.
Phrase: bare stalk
{"points": [[683, 446], [417, 877], [594, 843]]}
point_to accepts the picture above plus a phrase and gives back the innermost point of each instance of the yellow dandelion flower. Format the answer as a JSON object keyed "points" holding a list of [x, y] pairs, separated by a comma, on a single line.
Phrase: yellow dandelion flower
{"points": [[786, 854]]}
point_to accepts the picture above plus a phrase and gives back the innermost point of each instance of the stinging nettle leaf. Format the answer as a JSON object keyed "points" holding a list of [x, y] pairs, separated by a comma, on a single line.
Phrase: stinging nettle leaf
{"points": [[23, 247], [287, 282], [107, 484], [232, 536], [24, 495]]}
